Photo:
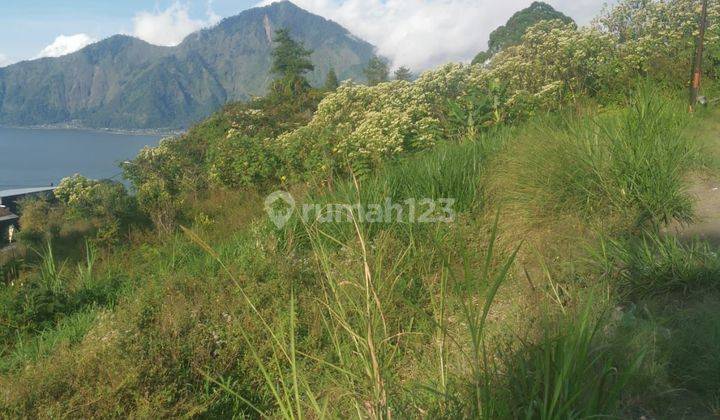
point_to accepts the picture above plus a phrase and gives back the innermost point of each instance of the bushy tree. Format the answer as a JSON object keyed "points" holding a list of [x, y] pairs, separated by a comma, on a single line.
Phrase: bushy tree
{"points": [[377, 71], [331, 81], [106, 203], [290, 63], [404, 73], [512, 32], [481, 58]]}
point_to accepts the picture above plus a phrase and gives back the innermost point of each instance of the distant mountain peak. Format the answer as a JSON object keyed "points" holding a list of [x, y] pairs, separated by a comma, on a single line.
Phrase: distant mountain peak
{"points": [[124, 82]]}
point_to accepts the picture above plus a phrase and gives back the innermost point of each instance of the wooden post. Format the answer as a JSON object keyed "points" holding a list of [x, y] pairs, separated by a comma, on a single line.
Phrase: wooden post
{"points": [[697, 66]]}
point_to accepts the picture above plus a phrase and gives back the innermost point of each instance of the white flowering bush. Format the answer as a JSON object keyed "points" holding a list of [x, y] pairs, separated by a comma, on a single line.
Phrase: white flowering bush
{"points": [[92, 198], [240, 160], [356, 127], [359, 126], [556, 63], [105, 204], [658, 37]]}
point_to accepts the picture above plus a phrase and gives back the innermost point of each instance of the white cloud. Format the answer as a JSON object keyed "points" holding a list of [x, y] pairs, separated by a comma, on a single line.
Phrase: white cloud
{"points": [[425, 33], [170, 26], [5, 60], [65, 45]]}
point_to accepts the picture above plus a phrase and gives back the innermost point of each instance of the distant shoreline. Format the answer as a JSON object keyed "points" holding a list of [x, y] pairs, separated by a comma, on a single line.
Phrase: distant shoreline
{"points": [[161, 132]]}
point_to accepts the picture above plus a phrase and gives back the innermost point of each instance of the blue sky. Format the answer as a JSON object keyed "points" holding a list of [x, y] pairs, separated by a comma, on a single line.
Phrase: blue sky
{"points": [[417, 33], [28, 26]]}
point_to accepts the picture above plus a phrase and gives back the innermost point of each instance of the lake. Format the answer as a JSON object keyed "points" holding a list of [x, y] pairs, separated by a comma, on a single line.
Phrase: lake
{"points": [[39, 157]]}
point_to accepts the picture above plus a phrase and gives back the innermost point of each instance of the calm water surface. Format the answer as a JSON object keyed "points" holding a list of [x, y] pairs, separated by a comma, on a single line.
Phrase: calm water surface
{"points": [[37, 158]]}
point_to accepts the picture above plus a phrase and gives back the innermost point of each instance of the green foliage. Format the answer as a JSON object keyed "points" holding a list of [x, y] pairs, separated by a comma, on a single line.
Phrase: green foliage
{"points": [[331, 81], [243, 161], [656, 265], [235, 318], [106, 202], [290, 62], [657, 38], [569, 374], [404, 73], [627, 165], [81, 208], [290, 58], [481, 58], [512, 32], [377, 71]]}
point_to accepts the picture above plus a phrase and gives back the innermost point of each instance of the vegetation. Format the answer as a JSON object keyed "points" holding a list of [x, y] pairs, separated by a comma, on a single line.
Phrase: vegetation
{"points": [[377, 71], [556, 291], [404, 73], [331, 81], [512, 32]]}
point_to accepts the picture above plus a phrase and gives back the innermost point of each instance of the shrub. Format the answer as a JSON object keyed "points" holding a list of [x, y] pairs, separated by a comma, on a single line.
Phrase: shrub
{"points": [[628, 165], [656, 265]]}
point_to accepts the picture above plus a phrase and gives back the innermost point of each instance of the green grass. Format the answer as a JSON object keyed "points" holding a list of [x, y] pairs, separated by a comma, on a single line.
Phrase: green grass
{"points": [[625, 164], [234, 317], [68, 332], [657, 264]]}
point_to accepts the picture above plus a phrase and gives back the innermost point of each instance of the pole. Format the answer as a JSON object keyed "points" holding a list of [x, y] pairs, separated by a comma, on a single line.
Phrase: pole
{"points": [[699, 51]]}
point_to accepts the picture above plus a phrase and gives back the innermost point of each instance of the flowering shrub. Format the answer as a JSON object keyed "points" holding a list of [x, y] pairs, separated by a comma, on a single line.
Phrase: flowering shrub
{"points": [[658, 38], [87, 198], [359, 126], [83, 206], [356, 127], [240, 160], [555, 63]]}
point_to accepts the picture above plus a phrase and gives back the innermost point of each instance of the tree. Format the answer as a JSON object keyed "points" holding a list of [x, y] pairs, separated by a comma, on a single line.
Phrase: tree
{"points": [[290, 63], [331, 81], [481, 58], [512, 32], [377, 71], [404, 73]]}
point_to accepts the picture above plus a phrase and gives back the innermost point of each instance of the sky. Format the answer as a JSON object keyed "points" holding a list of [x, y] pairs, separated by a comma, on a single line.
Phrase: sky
{"points": [[420, 34]]}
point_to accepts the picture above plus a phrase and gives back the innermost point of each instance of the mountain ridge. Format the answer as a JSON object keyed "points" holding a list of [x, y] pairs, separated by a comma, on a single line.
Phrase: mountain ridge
{"points": [[123, 82]]}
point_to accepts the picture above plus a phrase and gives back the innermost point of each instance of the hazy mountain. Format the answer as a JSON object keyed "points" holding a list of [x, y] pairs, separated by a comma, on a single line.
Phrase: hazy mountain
{"points": [[123, 82]]}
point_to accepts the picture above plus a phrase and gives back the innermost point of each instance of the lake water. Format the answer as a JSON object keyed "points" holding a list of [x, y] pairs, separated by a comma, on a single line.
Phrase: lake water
{"points": [[37, 158]]}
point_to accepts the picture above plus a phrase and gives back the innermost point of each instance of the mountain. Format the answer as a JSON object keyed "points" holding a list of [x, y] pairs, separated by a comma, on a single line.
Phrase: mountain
{"points": [[512, 32], [125, 83]]}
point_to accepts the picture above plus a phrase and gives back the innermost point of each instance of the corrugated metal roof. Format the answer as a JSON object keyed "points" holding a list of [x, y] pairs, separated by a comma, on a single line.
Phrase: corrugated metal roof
{"points": [[24, 191]]}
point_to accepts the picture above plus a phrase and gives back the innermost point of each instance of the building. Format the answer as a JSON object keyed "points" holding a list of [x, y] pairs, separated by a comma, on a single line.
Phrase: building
{"points": [[7, 219], [11, 198], [9, 207]]}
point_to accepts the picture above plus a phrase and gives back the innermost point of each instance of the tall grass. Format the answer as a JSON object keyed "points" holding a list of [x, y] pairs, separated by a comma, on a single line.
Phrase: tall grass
{"points": [[627, 165], [656, 264], [50, 273], [485, 400], [449, 171], [570, 373]]}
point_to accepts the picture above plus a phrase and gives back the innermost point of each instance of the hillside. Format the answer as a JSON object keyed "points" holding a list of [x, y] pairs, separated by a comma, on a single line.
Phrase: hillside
{"points": [[125, 83], [512, 32], [533, 238]]}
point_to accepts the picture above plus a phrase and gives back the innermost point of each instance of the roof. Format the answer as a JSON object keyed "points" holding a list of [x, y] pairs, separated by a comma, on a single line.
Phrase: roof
{"points": [[4, 211], [24, 191], [9, 218]]}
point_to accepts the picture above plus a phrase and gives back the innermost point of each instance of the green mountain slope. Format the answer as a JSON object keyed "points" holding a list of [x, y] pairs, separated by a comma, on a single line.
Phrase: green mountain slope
{"points": [[123, 82], [512, 32]]}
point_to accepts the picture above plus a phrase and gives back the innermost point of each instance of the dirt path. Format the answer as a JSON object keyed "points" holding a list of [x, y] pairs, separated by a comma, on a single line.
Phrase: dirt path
{"points": [[705, 191], [706, 226]]}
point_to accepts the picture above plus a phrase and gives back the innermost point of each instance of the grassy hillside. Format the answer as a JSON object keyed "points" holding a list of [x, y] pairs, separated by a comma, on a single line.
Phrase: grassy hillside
{"points": [[467, 318], [555, 288]]}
